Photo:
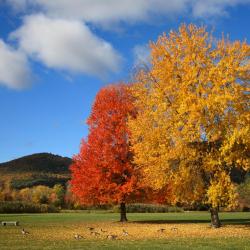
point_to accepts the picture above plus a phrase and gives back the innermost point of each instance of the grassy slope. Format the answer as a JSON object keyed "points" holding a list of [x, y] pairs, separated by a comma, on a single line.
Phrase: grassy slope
{"points": [[55, 231]]}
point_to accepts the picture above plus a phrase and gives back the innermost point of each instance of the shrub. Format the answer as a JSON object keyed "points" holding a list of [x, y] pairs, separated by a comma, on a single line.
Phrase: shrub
{"points": [[45, 208], [23, 207], [149, 208]]}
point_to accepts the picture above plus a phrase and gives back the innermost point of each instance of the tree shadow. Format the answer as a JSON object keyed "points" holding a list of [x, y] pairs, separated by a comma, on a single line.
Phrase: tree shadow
{"points": [[245, 222], [6, 216]]}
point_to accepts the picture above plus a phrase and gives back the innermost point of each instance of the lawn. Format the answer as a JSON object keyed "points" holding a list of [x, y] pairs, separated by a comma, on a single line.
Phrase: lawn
{"points": [[189, 230]]}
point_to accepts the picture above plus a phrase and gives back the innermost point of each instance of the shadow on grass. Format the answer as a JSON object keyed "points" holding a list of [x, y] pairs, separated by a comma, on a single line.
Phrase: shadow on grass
{"points": [[245, 222], [19, 215]]}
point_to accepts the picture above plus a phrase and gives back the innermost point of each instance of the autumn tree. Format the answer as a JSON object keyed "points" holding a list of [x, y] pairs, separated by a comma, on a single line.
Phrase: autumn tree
{"points": [[192, 126], [41, 194], [57, 195], [103, 172]]}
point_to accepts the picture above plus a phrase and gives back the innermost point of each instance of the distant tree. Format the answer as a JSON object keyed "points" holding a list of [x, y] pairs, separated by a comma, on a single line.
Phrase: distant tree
{"points": [[103, 172], [57, 195], [192, 126], [1, 195], [25, 194], [41, 194], [7, 192]]}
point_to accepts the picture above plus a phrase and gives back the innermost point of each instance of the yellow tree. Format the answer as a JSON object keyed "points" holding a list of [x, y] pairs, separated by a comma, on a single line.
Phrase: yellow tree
{"points": [[193, 118]]}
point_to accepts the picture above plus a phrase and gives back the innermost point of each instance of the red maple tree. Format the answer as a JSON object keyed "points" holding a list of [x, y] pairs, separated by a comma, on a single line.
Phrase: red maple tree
{"points": [[103, 172]]}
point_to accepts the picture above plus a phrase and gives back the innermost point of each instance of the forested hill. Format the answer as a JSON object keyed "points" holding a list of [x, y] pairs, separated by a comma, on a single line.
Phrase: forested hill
{"points": [[36, 169], [43, 162]]}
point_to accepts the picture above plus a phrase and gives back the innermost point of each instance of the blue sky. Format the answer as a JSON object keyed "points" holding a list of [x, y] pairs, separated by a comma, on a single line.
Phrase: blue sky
{"points": [[56, 55]]}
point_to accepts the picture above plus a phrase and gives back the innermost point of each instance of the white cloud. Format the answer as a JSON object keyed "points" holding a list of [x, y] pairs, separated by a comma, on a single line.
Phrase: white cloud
{"points": [[65, 44], [61, 39], [210, 8], [110, 11], [14, 69], [102, 11]]}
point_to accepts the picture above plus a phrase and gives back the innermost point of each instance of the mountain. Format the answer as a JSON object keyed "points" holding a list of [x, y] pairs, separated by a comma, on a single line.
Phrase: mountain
{"points": [[36, 169]]}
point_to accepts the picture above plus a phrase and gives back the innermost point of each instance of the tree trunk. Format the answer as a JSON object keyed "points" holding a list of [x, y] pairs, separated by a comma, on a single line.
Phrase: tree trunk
{"points": [[215, 221], [123, 212]]}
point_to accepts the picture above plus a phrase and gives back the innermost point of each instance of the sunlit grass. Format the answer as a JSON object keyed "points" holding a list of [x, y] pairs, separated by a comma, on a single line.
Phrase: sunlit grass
{"points": [[182, 231]]}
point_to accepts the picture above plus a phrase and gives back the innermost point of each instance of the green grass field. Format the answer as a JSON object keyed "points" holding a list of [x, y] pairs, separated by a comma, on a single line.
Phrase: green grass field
{"points": [[189, 230]]}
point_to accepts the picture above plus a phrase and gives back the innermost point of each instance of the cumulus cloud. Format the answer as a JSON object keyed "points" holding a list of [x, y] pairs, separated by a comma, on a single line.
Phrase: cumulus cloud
{"points": [[110, 11], [60, 37], [66, 45], [102, 11], [14, 68], [214, 7]]}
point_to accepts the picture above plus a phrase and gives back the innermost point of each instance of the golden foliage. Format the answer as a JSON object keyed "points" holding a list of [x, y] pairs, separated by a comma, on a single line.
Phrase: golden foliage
{"points": [[193, 117]]}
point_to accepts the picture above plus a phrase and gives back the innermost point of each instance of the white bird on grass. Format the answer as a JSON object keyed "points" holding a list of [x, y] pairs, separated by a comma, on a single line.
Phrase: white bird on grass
{"points": [[112, 237], [95, 233], [124, 232], [24, 232], [78, 236]]}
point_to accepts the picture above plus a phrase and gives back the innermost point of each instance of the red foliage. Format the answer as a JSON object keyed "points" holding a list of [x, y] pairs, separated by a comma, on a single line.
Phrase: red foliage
{"points": [[103, 171]]}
